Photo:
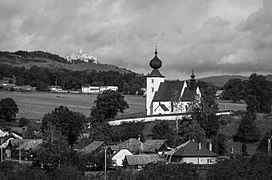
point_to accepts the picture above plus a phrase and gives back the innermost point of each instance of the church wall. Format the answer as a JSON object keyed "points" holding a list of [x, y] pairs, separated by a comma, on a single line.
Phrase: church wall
{"points": [[152, 86], [159, 110]]}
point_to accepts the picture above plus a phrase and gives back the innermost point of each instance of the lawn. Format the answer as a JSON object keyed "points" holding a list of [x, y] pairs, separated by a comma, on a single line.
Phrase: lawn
{"points": [[35, 104]]}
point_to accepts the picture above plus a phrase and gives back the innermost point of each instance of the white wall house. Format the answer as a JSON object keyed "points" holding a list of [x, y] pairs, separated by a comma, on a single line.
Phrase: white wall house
{"points": [[192, 152], [168, 97], [118, 158], [90, 89], [104, 88]]}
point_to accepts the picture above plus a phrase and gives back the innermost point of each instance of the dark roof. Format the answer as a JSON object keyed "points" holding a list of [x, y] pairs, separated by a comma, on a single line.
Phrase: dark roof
{"points": [[155, 73], [169, 91], [191, 149], [132, 144], [153, 145], [188, 95], [92, 147], [141, 159]]}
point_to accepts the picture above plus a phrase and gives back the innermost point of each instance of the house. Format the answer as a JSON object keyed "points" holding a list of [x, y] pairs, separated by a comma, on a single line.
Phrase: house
{"points": [[104, 88], [95, 146], [119, 156], [168, 97], [132, 144], [139, 161], [191, 152], [55, 88], [6, 141], [90, 89], [219, 94], [153, 146], [30, 144]]}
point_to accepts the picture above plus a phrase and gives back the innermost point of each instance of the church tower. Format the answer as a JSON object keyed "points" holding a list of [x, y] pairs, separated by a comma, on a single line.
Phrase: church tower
{"points": [[153, 81]]}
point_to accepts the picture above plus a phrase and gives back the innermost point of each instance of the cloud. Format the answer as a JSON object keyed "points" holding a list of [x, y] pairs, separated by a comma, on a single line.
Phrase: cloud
{"points": [[226, 36]]}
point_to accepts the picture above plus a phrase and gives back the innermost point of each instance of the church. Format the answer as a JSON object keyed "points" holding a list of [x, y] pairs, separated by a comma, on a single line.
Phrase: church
{"points": [[163, 97]]}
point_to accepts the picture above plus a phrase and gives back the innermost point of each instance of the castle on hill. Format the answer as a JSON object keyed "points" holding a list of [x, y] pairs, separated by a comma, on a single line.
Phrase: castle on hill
{"points": [[168, 97]]}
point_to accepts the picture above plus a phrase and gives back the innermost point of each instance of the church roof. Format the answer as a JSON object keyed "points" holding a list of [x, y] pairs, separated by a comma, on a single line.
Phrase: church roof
{"points": [[188, 95], [155, 73], [169, 91]]}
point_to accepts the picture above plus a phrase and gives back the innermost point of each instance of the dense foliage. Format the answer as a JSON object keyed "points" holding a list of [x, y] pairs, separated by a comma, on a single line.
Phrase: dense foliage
{"points": [[257, 88], [107, 105], [130, 83], [205, 110], [8, 109], [68, 122]]}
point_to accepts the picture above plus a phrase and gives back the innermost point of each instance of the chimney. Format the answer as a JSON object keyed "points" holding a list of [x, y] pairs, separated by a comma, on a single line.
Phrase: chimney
{"points": [[199, 146], [210, 146]]}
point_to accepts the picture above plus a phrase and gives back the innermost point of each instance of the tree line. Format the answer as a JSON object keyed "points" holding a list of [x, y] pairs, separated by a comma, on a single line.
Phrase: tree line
{"points": [[42, 78], [256, 89]]}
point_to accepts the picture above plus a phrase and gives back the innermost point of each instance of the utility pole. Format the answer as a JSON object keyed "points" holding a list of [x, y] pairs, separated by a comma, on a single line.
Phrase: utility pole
{"points": [[1, 150], [106, 162], [269, 146]]}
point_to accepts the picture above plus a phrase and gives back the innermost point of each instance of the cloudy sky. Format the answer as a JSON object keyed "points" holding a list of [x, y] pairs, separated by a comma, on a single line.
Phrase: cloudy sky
{"points": [[213, 36]]}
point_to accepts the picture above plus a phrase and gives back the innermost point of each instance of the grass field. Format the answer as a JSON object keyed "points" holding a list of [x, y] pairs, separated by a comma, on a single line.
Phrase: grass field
{"points": [[35, 105]]}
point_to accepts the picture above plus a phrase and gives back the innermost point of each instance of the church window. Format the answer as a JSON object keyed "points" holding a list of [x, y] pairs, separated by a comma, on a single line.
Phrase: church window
{"points": [[152, 80], [152, 89]]}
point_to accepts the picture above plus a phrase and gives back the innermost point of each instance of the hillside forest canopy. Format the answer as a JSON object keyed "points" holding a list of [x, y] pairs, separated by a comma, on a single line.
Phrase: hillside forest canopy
{"points": [[42, 78]]}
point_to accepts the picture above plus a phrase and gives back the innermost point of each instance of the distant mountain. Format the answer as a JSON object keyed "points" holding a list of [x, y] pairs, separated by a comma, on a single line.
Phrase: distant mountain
{"points": [[46, 59], [219, 81]]}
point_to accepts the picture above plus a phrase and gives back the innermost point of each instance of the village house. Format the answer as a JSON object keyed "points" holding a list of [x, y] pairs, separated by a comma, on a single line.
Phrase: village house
{"points": [[191, 152], [168, 97], [155, 146], [119, 156], [97, 89]]}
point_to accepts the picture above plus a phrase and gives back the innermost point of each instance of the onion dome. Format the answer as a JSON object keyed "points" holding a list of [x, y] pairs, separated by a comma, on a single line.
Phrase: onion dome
{"points": [[155, 63]]}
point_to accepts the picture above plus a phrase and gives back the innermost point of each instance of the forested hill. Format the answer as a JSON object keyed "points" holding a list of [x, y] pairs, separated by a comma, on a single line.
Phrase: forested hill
{"points": [[219, 81], [49, 60]]}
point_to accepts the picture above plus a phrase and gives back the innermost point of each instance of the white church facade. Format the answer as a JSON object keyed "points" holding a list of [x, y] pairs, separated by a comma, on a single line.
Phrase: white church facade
{"points": [[164, 97]]}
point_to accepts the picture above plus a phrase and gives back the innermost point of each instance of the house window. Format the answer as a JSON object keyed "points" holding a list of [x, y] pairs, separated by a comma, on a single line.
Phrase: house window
{"points": [[152, 89], [152, 80]]}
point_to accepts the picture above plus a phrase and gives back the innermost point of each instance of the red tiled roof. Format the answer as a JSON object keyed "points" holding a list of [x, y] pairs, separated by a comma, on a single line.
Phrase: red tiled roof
{"points": [[191, 149], [92, 147], [141, 159], [132, 144], [153, 145]]}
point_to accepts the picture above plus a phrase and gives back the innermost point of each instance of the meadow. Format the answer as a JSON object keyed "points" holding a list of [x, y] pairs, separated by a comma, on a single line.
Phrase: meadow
{"points": [[35, 104]]}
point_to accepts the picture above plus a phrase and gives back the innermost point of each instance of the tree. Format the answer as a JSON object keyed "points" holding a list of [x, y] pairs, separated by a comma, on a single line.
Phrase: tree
{"points": [[107, 105], [192, 130], [204, 112], [247, 131], [54, 151], [259, 88], [219, 144], [234, 90], [162, 130], [68, 122], [8, 109], [23, 122]]}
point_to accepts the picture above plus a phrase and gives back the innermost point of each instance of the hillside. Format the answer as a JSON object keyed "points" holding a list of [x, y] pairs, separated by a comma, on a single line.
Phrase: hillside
{"points": [[45, 59], [219, 81]]}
